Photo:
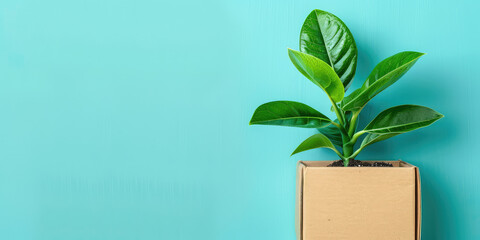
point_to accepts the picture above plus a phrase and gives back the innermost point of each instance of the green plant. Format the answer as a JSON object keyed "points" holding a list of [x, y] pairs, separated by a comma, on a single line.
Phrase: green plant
{"points": [[328, 58]]}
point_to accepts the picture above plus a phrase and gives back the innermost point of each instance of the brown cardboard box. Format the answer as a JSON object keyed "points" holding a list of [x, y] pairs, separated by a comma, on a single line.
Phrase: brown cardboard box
{"points": [[358, 203]]}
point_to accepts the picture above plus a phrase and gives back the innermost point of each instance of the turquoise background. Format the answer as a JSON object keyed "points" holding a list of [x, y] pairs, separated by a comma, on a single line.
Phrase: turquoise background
{"points": [[125, 119]]}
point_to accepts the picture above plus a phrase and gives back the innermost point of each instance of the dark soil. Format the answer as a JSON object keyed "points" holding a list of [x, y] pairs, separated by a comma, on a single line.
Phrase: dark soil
{"points": [[358, 163]]}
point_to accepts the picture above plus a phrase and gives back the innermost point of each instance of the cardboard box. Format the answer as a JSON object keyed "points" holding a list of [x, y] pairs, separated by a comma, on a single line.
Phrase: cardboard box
{"points": [[357, 203]]}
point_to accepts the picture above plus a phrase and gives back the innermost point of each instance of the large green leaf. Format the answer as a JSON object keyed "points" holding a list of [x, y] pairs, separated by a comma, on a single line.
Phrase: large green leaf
{"points": [[326, 37], [401, 119], [319, 73], [398, 120], [288, 113], [383, 75], [316, 141]]}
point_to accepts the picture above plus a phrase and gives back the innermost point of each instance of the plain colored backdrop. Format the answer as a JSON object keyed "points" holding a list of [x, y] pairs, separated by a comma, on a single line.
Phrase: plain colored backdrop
{"points": [[128, 119]]}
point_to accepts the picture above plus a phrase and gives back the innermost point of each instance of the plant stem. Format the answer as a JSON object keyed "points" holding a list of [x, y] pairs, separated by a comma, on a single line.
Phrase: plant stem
{"points": [[347, 148], [348, 144], [353, 123], [357, 152], [355, 137], [337, 112], [347, 152], [339, 154]]}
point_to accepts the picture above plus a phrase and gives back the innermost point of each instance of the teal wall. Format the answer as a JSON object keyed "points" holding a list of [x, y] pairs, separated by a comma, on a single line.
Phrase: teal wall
{"points": [[128, 119]]}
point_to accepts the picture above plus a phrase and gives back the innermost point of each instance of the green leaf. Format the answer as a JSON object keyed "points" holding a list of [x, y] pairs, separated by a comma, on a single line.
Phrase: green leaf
{"points": [[372, 138], [316, 141], [319, 73], [383, 75], [326, 37], [401, 119], [397, 120], [333, 133], [288, 113]]}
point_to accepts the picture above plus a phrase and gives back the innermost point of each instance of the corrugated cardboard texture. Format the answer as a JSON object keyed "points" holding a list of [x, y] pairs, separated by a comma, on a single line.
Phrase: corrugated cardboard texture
{"points": [[358, 202]]}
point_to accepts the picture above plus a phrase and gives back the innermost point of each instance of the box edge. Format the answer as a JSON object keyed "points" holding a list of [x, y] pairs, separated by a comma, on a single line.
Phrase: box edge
{"points": [[418, 207], [301, 166]]}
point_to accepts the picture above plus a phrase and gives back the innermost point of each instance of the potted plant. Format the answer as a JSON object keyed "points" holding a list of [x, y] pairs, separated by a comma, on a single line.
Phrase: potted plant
{"points": [[350, 203]]}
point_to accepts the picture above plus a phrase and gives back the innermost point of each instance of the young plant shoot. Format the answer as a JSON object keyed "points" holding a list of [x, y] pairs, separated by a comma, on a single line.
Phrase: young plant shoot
{"points": [[328, 58]]}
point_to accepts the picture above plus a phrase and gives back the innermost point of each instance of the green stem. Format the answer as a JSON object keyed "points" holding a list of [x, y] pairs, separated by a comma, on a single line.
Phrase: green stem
{"points": [[348, 145], [357, 152], [353, 140], [341, 120], [347, 151], [355, 137], [339, 154], [347, 148], [353, 123]]}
